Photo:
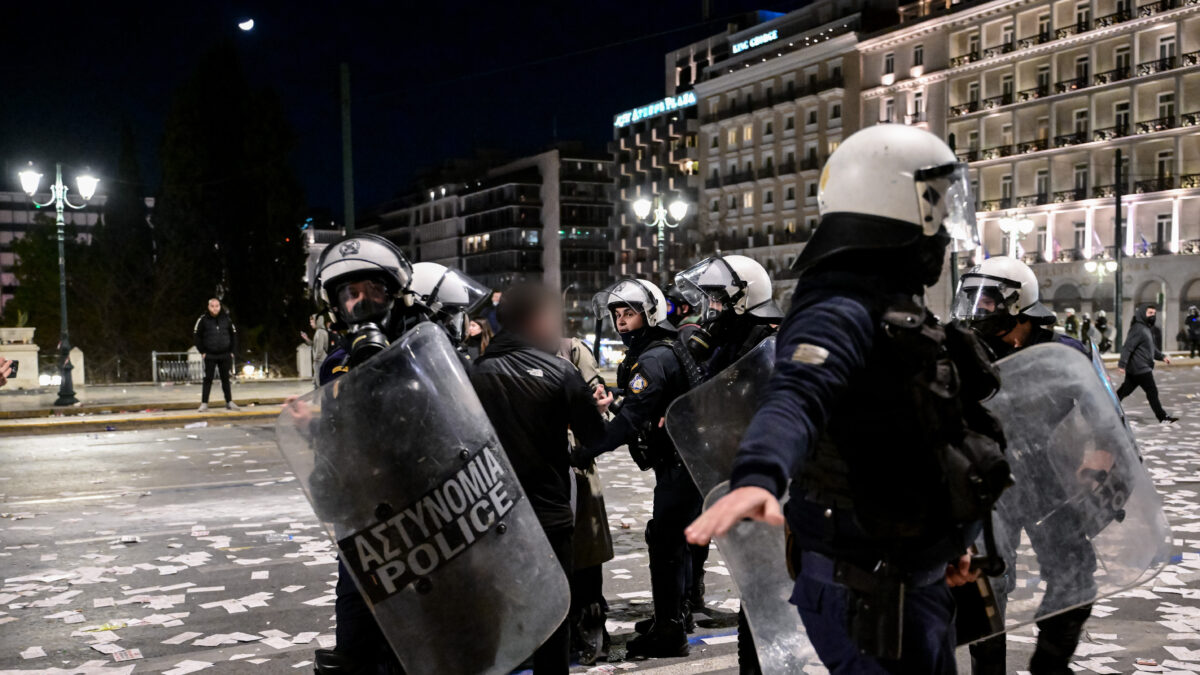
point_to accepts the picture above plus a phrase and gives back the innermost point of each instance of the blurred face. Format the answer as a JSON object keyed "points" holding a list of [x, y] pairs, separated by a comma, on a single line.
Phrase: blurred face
{"points": [[496, 297], [474, 329], [312, 322], [356, 292], [214, 306], [628, 319], [545, 327], [1150, 312]]}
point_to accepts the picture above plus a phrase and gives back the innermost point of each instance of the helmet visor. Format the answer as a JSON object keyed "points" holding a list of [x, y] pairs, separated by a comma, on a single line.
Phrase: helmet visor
{"points": [[627, 293], [363, 300], [944, 199], [459, 291], [709, 285], [980, 297]]}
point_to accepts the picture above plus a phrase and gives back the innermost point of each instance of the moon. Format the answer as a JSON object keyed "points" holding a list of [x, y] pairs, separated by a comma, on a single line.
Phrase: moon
{"points": [[247, 25]]}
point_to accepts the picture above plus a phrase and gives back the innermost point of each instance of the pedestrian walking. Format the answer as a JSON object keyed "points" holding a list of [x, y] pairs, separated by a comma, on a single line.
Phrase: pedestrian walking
{"points": [[1137, 361], [320, 345], [532, 397], [1192, 323], [216, 339]]}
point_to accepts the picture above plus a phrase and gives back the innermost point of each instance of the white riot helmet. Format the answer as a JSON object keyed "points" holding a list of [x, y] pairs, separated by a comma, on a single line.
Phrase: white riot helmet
{"points": [[640, 295], [448, 294], [998, 291], [734, 282], [360, 257], [885, 187]]}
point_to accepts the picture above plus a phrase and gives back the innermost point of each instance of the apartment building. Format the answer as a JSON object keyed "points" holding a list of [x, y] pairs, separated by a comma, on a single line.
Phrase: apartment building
{"points": [[1039, 97]]}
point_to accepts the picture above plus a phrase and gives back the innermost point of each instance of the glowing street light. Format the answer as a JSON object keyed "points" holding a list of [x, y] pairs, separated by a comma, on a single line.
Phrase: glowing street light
{"points": [[1015, 228], [247, 25], [677, 211], [30, 179]]}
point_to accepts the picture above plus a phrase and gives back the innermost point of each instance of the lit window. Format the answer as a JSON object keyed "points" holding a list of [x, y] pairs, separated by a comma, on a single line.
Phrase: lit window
{"points": [[748, 133], [732, 136], [747, 200]]}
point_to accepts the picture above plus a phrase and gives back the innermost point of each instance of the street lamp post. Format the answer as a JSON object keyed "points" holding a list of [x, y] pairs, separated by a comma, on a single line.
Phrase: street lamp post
{"points": [[1015, 228], [58, 196], [677, 211]]}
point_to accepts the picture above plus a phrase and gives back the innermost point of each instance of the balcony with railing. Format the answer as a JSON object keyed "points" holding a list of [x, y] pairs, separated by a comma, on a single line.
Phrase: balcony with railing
{"points": [[1036, 145], [1152, 8], [964, 108], [1114, 75], [1157, 124], [1063, 86], [1036, 199], [1108, 191], [996, 204], [741, 177], [1033, 92], [1189, 181], [968, 155], [787, 168], [996, 152], [964, 59], [810, 164], [712, 183], [1072, 29], [915, 118], [1156, 66], [1110, 133], [1190, 119], [766, 172], [1073, 195], [999, 50], [1119, 16], [1074, 138], [1034, 40], [997, 101], [1190, 58], [1154, 184]]}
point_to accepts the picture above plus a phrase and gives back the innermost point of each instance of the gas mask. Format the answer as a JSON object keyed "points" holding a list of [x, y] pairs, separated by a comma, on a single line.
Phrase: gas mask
{"points": [[366, 340]]}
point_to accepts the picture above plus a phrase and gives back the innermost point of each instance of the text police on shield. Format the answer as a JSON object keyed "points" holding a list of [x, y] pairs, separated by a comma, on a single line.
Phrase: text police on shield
{"points": [[416, 540]]}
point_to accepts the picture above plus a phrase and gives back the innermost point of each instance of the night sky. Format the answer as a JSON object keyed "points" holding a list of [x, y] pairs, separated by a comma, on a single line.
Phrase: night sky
{"points": [[431, 81]]}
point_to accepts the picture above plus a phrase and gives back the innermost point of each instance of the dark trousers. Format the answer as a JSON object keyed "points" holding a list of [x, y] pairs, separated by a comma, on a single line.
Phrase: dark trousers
{"points": [[677, 503], [929, 636], [220, 365], [358, 636], [1194, 346], [1146, 382], [554, 656]]}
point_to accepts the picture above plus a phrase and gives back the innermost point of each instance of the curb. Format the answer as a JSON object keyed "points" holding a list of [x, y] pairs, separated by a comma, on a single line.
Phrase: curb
{"points": [[82, 424], [121, 409]]}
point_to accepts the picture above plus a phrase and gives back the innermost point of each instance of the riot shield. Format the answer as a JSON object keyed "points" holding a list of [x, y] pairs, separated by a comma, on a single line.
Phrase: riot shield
{"points": [[706, 425], [1083, 520], [404, 471]]}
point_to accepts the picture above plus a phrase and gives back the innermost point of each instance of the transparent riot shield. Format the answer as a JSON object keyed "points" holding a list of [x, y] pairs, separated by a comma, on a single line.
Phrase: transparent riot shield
{"points": [[706, 425], [404, 471], [1083, 520]]}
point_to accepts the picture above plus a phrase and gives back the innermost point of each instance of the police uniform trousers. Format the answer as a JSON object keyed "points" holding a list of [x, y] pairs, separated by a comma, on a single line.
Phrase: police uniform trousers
{"points": [[929, 633], [677, 503], [358, 636]]}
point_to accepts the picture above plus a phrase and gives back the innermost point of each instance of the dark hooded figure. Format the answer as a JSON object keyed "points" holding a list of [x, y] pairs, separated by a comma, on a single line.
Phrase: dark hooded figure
{"points": [[1137, 360]]}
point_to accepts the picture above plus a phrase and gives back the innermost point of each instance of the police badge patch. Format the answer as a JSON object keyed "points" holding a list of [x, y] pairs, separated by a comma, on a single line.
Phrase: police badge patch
{"points": [[637, 384]]}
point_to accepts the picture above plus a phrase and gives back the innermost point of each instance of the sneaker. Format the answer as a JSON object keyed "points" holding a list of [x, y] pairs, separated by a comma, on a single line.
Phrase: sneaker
{"points": [[230, 405], [203, 408], [666, 640], [1169, 419]]}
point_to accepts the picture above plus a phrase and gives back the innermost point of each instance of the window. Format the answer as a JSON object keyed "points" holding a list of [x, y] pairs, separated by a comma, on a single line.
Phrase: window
{"points": [[747, 200], [789, 123], [972, 140], [1006, 88], [1080, 177], [1042, 236], [731, 136], [973, 92], [714, 205], [1043, 78], [1042, 182], [716, 173], [1080, 239], [1166, 104], [1081, 68], [1166, 47], [918, 58], [810, 189], [1162, 227], [1043, 23], [1121, 58], [715, 141], [1081, 121], [835, 111], [732, 202], [889, 110], [918, 105], [1083, 15], [812, 117], [1006, 35], [1164, 163], [1121, 116], [810, 224], [1006, 187], [835, 72], [790, 194], [973, 43], [769, 197], [768, 128], [889, 63], [747, 133], [833, 145]]}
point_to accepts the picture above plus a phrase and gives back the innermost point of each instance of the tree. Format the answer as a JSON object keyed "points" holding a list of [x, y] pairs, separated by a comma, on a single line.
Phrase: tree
{"points": [[226, 218], [36, 269]]}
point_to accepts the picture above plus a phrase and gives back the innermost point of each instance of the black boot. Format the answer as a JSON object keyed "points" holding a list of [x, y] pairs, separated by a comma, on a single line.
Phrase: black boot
{"points": [[1058, 636], [642, 627], [591, 635], [333, 662], [666, 639]]}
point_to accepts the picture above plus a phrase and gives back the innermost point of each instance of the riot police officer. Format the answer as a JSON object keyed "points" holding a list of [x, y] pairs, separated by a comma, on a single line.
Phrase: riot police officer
{"points": [[449, 296], [657, 369], [857, 418], [737, 311], [362, 279], [999, 299]]}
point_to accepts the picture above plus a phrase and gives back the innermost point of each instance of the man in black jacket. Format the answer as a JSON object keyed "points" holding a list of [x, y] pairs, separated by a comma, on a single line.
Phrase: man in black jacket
{"points": [[532, 396], [1137, 361], [216, 339]]}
